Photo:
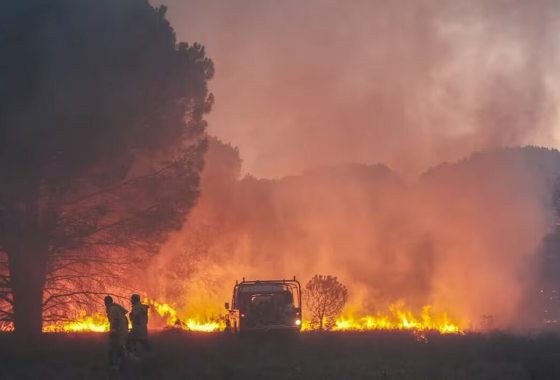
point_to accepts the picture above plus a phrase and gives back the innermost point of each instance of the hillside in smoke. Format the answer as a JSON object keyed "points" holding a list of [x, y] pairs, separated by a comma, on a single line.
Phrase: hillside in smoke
{"points": [[489, 214], [464, 237], [302, 84]]}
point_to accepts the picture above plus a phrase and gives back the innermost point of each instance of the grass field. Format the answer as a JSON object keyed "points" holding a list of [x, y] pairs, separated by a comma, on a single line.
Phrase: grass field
{"points": [[346, 356]]}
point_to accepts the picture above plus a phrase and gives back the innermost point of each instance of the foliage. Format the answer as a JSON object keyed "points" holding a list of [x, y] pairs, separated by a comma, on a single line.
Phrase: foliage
{"points": [[325, 298], [101, 146]]}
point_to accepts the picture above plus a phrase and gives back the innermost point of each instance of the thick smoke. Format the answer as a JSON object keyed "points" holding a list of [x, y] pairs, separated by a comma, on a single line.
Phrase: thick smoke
{"points": [[407, 83], [412, 84], [463, 238]]}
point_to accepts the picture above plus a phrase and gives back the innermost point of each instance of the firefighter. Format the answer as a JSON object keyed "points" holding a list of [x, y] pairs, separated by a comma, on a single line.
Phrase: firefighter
{"points": [[139, 320], [117, 334]]}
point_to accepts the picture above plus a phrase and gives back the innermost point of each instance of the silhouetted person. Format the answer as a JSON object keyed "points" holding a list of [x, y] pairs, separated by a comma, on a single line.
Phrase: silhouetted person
{"points": [[139, 320], [117, 334]]}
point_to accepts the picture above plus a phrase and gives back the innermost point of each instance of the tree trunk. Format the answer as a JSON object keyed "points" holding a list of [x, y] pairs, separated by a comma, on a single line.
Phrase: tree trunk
{"points": [[28, 266]]}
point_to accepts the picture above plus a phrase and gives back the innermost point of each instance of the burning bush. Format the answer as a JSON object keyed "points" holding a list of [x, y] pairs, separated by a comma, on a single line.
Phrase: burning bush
{"points": [[325, 298]]}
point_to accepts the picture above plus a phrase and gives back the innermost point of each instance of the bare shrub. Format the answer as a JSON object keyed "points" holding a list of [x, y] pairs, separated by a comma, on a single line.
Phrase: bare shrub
{"points": [[325, 298]]}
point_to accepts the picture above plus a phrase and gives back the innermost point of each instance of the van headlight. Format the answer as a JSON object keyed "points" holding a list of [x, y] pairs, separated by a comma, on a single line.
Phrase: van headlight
{"points": [[298, 322]]}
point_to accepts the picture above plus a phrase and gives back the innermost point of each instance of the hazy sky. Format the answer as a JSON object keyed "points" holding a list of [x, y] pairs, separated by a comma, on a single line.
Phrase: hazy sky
{"points": [[409, 83]]}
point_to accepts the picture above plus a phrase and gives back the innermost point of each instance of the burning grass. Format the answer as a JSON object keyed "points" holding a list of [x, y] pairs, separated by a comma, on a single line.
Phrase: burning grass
{"points": [[97, 323], [399, 318], [164, 316]]}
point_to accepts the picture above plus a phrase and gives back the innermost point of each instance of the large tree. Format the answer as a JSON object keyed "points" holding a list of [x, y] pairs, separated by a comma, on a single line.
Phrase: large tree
{"points": [[101, 144]]}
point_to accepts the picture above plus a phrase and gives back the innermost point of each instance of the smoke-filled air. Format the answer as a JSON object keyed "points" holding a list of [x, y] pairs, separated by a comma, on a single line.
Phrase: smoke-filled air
{"points": [[376, 142], [411, 84], [407, 148]]}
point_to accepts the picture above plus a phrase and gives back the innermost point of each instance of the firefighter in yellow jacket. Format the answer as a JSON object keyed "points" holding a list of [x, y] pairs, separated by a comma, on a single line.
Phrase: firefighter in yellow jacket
{"points": [[139, 320], [118, 331]]}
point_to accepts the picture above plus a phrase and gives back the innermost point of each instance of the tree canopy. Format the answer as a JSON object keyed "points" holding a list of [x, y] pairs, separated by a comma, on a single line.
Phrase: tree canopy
{"points": [[101, 144]]}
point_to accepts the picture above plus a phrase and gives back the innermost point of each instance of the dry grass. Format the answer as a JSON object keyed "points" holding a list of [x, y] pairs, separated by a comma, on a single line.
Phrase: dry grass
{"points": [[344, 356]]}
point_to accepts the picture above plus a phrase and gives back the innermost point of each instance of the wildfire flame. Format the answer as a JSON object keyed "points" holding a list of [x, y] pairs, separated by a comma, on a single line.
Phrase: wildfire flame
{"points": [[92, 323], [190, 324], [398, 318], [99, 322]]}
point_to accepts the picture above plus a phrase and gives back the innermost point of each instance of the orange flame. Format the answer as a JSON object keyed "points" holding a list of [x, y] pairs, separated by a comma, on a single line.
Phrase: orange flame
{"points": [[91, 323], [397, 319], [185, 323], [99, 322]]}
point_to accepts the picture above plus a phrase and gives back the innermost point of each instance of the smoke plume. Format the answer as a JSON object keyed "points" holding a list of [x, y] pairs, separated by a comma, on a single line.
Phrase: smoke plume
{"points": [[301, 84], [305, 87]]}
